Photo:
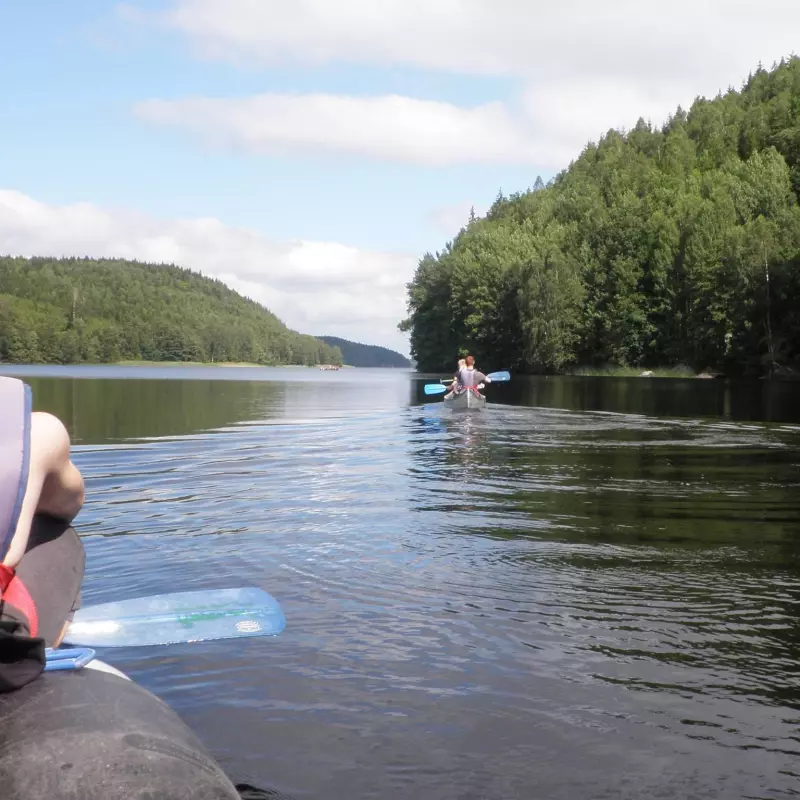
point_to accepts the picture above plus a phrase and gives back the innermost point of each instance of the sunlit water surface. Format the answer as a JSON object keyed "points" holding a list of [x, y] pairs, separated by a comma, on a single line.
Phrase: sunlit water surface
{"points": [[590, 590]]}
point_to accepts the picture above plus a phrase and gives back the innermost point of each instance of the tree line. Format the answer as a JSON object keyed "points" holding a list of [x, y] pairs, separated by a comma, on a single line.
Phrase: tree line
{"points": [[656, 247], [366, 355], [75, 310]]}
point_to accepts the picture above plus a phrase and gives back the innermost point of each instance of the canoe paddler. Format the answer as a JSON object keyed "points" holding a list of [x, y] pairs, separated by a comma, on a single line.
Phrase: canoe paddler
{"points": [[41, 556], [469, 377], [462, 362]]}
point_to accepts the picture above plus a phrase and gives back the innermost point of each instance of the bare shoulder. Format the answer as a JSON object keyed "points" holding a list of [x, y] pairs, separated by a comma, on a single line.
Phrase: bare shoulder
{"points": [[45, 419], [49, 442]]}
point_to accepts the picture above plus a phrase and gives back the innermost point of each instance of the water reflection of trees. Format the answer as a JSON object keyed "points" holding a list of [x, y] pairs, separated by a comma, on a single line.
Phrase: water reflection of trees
{"points": [[771, 401], [102, 410], [671, 545], [660, 397]]}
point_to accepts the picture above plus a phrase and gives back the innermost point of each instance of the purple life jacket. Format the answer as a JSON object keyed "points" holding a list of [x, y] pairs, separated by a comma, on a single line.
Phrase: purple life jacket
{"points": [[15, 438], [468, 377]]}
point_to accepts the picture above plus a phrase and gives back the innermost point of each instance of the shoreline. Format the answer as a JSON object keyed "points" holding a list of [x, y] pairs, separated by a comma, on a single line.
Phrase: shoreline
{"points": [[198, 364], [614, 371]]}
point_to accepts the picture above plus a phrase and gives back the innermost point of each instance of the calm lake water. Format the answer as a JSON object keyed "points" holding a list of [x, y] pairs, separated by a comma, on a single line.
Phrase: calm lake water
{"points": [[590, 590]]}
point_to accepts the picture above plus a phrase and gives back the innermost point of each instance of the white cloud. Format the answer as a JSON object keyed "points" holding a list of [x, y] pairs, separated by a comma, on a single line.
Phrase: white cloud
{"points": [[389, 128], [548, 127], [495, 37], [314, 287], [586, 66]]}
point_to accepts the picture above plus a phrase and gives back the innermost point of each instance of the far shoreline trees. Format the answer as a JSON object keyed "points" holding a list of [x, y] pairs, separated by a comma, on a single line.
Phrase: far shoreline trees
{"points": [[366, 355], [72, 310], [656, 247]]}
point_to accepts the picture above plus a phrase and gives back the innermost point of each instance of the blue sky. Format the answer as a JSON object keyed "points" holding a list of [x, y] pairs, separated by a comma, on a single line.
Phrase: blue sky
{"points": [[308, 155]]}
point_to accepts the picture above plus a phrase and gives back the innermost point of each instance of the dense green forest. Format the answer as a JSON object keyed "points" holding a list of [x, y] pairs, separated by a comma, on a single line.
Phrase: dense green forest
{"points": [[656, 247], [84, 310], [366, 355]]}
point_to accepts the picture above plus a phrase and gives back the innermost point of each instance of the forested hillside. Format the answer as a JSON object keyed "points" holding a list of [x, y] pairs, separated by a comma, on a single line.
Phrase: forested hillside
{"points": [[366, 355], [656, 246], [75, 310]]}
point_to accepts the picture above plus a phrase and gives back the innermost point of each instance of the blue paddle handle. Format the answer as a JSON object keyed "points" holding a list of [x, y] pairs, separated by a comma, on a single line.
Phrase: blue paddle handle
{"points": [[67, 658]]}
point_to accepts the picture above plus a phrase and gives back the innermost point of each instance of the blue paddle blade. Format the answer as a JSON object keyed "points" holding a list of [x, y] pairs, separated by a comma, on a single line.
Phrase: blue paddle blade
{"points": [[496, 377], [178, 617], [435, 388]]}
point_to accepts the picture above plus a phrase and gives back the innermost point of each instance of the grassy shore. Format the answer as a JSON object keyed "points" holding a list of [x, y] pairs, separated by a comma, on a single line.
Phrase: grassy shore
{"points": [[615, 371], [202, 364]]}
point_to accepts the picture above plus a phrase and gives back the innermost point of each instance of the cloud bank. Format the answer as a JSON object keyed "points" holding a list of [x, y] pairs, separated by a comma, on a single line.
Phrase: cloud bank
{"points": [[389, 128], [583, 68], [550, 41]]}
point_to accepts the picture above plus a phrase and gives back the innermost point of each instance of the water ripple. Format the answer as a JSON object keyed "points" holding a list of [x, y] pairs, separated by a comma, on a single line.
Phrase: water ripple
{"points": [[599, 594]]}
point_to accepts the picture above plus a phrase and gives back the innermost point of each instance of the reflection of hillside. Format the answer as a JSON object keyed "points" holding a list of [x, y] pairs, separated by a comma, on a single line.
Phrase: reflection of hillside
{"points": [[618, 480], [655, 550], [761, 400], [101, 410], [98, 410]]}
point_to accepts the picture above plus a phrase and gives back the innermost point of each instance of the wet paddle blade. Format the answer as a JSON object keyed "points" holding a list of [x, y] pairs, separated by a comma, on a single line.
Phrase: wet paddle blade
{"points": [[178, 617], [497, 377], [435, 388]]}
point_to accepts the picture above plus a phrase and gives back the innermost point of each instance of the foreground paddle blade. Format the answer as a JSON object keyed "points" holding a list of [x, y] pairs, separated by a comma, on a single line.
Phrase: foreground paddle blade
{"points": [[435, 388], [178, 617], [499, 376]]}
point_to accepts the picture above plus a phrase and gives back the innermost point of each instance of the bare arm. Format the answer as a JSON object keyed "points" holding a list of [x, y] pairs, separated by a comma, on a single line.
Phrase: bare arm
{"points": [[55, 486]]}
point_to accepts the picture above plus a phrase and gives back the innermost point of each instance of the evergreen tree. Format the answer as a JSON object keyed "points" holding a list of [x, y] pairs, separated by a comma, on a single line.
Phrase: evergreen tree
{"points": [[76, 310], [653, 248]]}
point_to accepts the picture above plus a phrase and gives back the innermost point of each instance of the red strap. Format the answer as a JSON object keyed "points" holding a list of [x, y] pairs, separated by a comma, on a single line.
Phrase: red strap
{"points": [[6, 576], [14, 591]]}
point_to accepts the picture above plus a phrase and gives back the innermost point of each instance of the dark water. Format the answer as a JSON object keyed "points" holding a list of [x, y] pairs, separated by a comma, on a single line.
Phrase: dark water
{"points": [[591, 590]]}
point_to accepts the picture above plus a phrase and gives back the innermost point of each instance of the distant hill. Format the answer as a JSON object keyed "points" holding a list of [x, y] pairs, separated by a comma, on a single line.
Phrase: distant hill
{"points": [[73, 310], [366, 355]]}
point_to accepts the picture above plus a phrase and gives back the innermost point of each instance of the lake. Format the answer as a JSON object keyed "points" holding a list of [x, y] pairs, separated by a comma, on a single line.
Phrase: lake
{"points": [[589, 590]]}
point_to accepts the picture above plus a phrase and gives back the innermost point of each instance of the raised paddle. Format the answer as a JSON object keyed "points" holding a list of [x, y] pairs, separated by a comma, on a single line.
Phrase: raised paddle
{"points": [[494, 377], [499, 377], [178, 617]]}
